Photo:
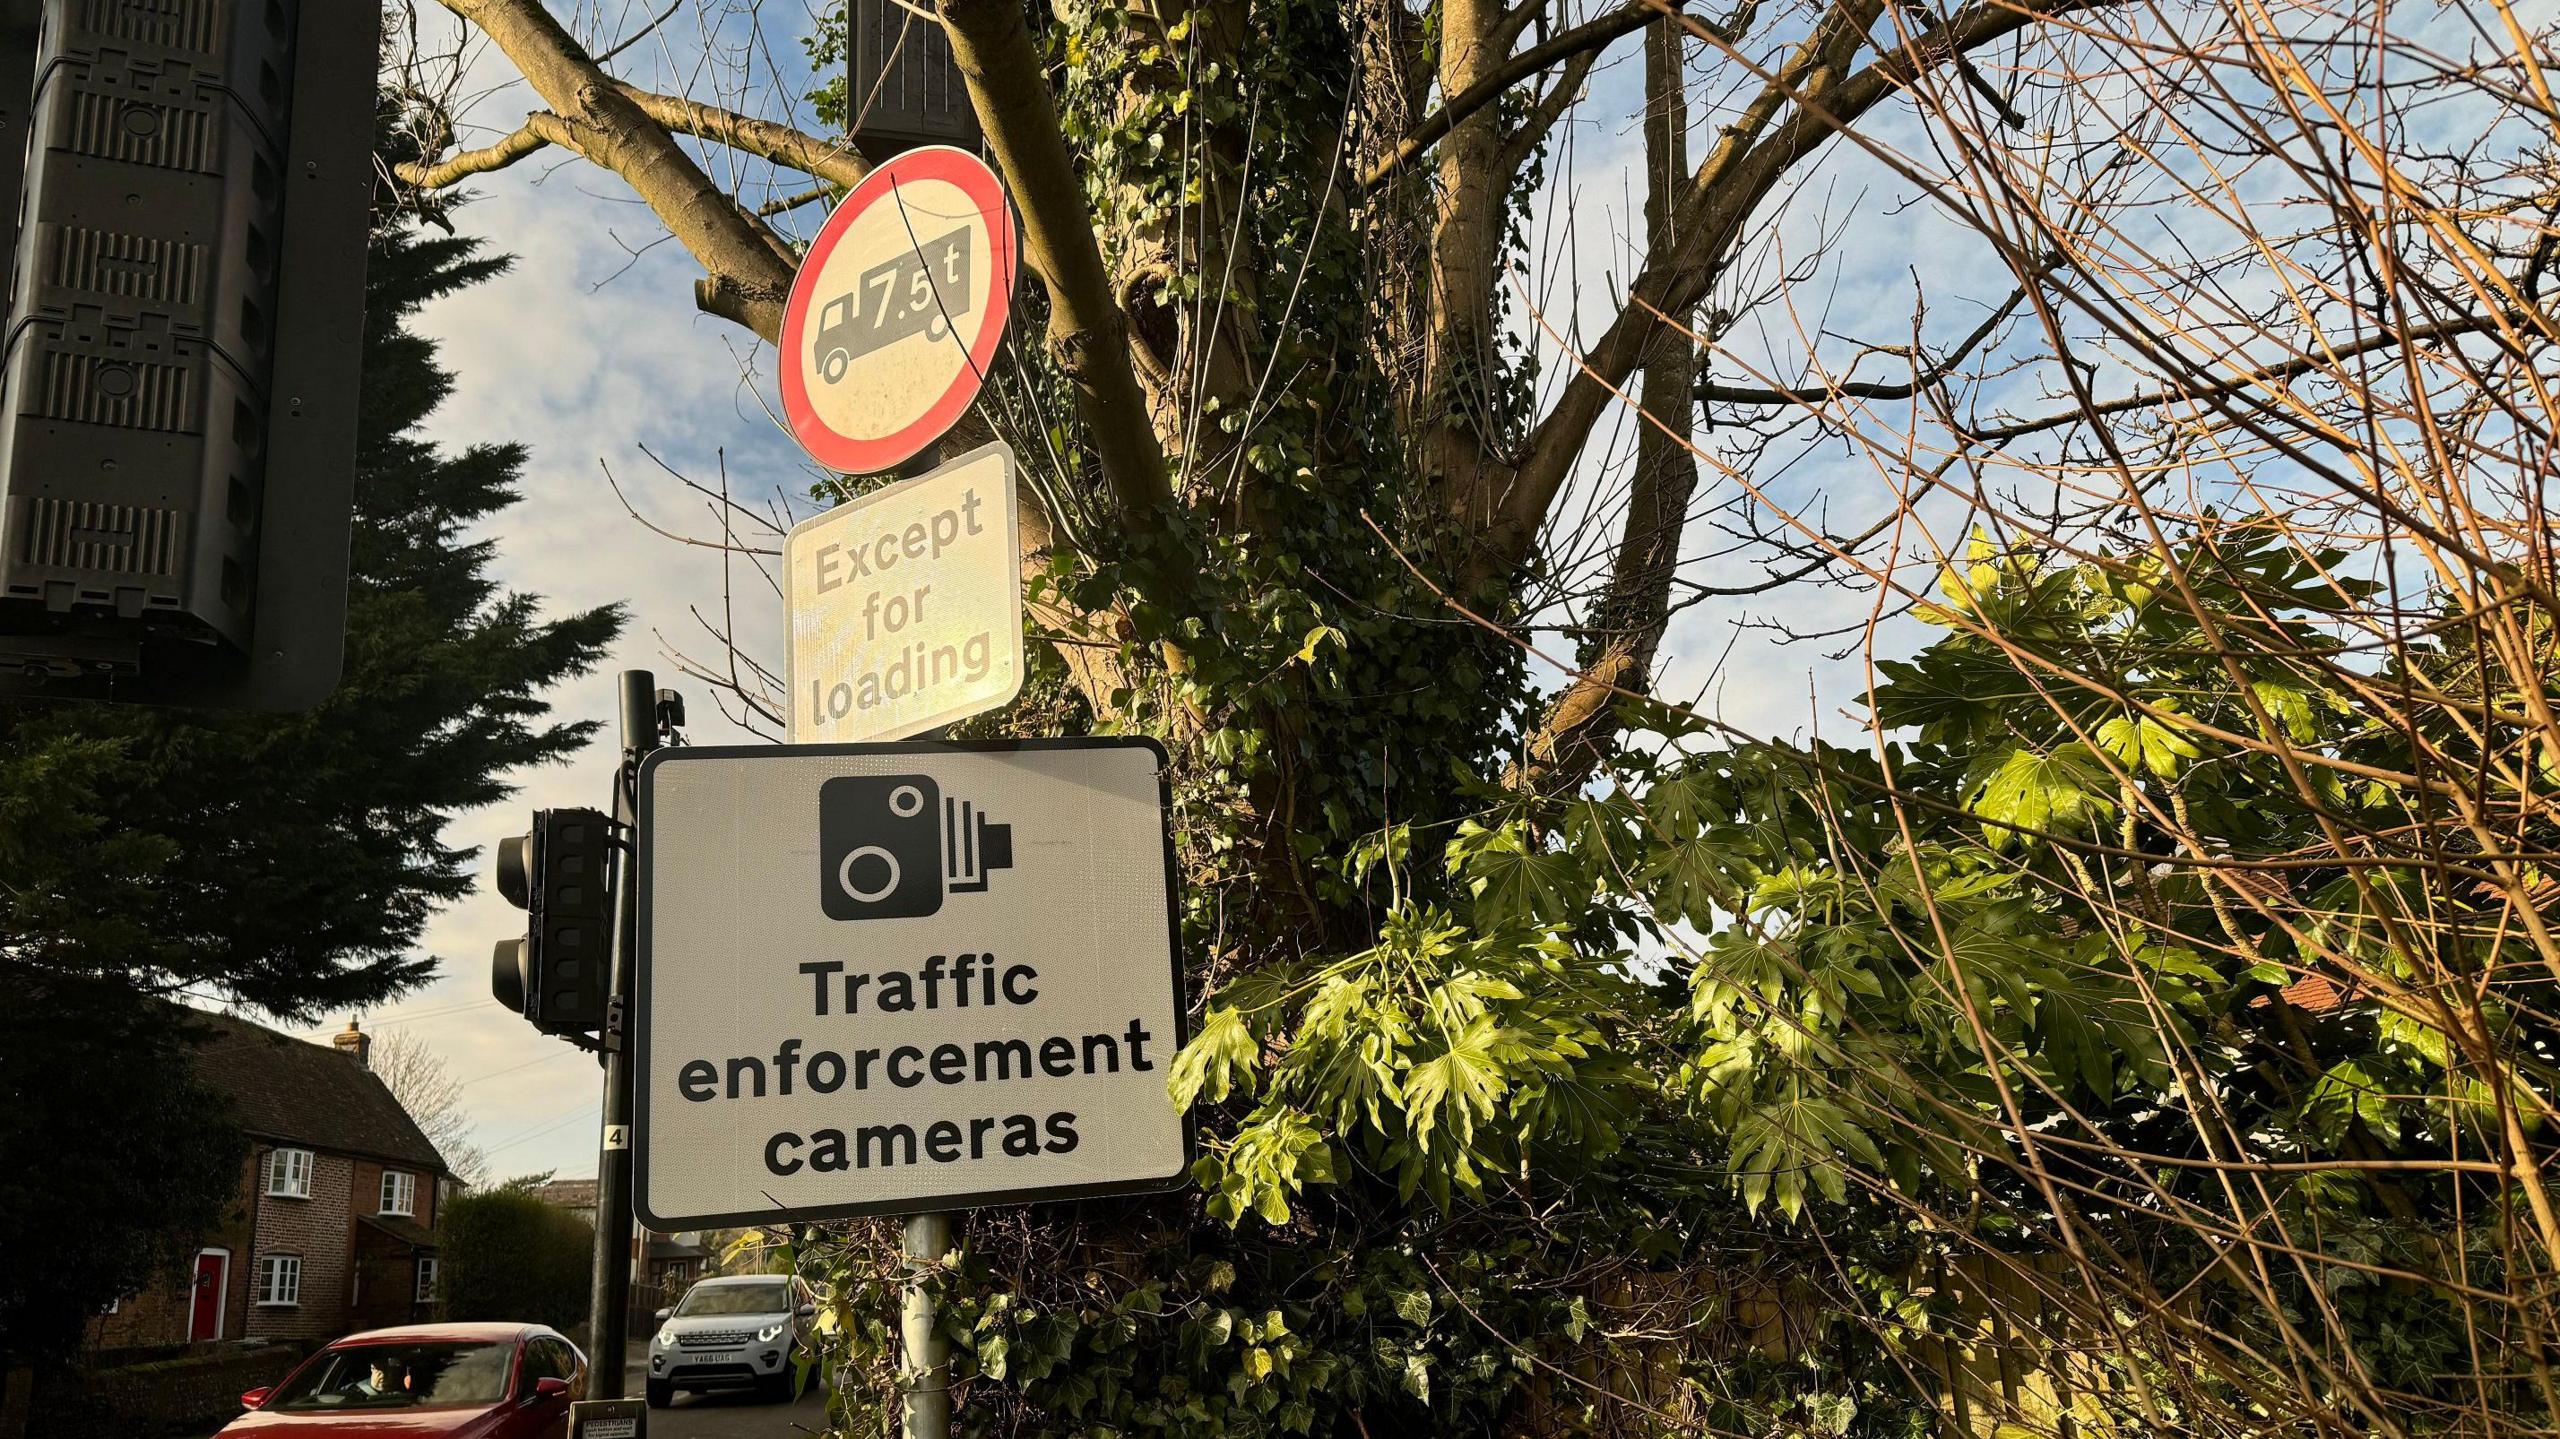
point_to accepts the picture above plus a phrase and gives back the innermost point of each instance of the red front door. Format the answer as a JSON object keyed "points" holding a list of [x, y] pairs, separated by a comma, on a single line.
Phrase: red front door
{"points": [[213, 1277]]}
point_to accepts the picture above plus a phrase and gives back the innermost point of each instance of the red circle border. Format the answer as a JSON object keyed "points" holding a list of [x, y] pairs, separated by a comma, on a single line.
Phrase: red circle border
{"points": [[972, 177]]}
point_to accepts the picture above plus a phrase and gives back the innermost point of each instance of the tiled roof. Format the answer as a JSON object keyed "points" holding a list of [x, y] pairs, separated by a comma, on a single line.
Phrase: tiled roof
{"points": [[306, 1094], [2316, 993], [407, 1231], [567, 1193], [2313, 994]]}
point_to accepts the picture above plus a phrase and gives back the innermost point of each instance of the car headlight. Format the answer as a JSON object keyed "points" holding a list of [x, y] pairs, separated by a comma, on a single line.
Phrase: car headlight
{"points": [[766, 1336], [667, 1338]]}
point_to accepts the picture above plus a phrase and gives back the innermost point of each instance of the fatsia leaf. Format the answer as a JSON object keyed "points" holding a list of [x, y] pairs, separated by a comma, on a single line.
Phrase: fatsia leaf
{"points": [[2056, 793], [1220, 1058], [1688, 881], [1682, 803], [1779, 1145], [1466, 1079], [2291, 707], [2141, 742], [1512, 881]]}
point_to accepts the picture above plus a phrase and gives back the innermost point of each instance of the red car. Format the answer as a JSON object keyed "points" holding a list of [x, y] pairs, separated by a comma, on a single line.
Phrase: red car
{"points": [[450, 1381]]}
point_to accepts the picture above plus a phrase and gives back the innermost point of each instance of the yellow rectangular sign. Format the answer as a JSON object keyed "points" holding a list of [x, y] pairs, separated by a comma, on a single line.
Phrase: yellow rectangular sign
{"points": [[905, 606]]}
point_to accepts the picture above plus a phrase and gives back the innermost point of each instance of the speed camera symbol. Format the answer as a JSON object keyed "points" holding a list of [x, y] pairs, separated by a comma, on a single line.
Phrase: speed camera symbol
{"points": [[891, 846]]}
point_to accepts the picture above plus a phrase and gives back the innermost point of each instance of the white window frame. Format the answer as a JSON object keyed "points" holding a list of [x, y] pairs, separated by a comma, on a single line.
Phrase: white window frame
{"points": [[426, 1279], [280, 1281], [399, 1193], [289, 1173]]}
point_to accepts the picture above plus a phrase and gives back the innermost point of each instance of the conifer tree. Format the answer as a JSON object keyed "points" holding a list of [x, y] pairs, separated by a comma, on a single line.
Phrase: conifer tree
{"points": [[286, 863]]}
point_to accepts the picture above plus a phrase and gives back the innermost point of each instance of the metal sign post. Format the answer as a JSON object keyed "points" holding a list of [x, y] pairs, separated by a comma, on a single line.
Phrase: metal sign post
{"points": [[644, 711], [924, 1358], [892, 324], [905, 613]]}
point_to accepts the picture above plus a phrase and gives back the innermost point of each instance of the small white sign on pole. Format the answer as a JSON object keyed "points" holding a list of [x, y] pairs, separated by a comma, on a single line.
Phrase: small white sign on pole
{"points": [[905, 606], [896, 977]]}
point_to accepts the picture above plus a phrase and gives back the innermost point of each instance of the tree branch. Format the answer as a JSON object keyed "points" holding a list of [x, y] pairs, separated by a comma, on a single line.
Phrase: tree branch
{"points": [[833, 161], [748, 272], [1712, 393], [1591, 35], [539, 131], [1088, 335], [1746, 164], [1549, 109], [2294, 368], [1582, 723]]}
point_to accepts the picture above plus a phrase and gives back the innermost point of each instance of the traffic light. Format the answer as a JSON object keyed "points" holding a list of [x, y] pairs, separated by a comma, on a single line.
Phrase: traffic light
{"points": [[560, 973], [185, 187], [903, 86]]}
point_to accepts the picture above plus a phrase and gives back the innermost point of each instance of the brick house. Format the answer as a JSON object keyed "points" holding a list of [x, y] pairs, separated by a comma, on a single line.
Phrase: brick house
{"points": [[332, 1228]]}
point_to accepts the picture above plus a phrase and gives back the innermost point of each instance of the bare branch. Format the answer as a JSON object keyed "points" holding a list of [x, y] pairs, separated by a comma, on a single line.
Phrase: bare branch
{"points": [[749, 274], [539, 131], [1746, 164], [1590, 36]]}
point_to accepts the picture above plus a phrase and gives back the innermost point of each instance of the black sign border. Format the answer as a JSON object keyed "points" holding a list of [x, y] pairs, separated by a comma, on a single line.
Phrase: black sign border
{"points": [[635, 1016]]}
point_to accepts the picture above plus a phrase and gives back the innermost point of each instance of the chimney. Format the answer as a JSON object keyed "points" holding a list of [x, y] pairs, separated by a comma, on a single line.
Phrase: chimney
{"points": [[355, 1044]]}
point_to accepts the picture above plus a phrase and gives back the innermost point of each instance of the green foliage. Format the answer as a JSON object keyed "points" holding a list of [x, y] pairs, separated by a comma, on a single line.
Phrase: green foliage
{"points": [[288, 862], [508, 1255], [1765, 994], [1442, 1058], [1477, 1066]]}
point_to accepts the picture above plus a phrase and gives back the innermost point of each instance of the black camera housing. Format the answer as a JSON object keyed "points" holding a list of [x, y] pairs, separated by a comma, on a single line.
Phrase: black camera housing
{"points": [[880, 846]]}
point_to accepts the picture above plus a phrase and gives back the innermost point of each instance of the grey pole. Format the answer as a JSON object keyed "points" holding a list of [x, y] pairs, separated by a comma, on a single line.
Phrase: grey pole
{"points": [[609, 1287], [924, 1366], [924, 1357]]}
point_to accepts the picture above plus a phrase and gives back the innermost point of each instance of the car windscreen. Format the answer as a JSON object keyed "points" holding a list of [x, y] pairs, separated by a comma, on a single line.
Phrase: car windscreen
{"points": [[399, 1376], [703, 1299]]}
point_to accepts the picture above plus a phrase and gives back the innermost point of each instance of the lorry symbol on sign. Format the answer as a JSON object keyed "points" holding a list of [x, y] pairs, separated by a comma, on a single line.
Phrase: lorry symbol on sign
{"points": [[890, 846], [919, 292]]}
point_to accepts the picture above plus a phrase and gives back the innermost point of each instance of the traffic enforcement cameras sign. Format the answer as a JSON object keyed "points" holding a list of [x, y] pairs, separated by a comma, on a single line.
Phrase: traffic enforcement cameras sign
{"points": [[898, 977], [905, 605]]}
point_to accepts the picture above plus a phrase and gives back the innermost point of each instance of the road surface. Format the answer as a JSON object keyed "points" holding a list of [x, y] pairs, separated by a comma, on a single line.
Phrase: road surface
{"points": [[724, 1416]]}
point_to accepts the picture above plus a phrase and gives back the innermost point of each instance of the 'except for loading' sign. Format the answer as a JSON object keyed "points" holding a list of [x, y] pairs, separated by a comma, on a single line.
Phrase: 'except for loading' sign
{"points": [[897, 310], [905, 605]]}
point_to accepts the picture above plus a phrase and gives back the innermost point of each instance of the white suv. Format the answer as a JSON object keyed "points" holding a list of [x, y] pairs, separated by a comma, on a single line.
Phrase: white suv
{"points": [[740, 1331]]}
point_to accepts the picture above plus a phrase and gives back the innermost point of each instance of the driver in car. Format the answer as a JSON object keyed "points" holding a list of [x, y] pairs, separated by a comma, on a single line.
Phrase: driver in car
{"points": [[381, 1383]]}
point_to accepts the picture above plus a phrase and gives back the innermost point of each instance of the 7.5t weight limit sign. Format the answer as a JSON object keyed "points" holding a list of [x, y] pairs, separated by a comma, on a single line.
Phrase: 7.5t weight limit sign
{"points": [[896, 313]]}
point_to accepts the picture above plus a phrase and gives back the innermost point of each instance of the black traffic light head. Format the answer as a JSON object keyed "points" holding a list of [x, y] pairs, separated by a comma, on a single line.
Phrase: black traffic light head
{"points": [[185, 189], [560, 973], [902, 83]]}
